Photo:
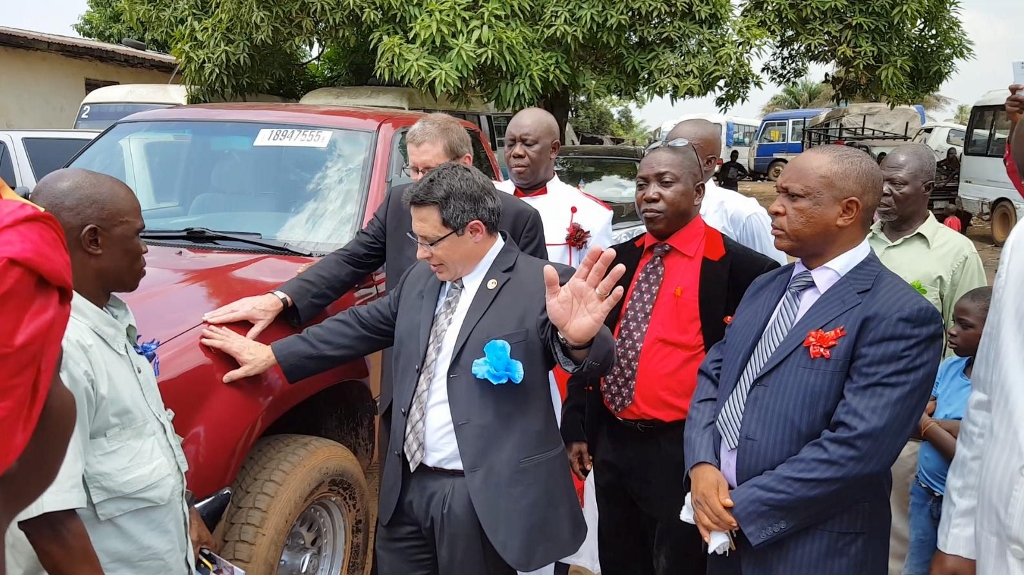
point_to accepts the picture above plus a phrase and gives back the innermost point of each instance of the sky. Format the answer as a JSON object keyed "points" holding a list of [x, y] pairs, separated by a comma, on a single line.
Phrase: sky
{"points": [[989, 23]]}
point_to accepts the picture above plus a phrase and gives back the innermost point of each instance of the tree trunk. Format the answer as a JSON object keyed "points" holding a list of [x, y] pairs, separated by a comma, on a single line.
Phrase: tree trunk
{"points": [[558, 104]]}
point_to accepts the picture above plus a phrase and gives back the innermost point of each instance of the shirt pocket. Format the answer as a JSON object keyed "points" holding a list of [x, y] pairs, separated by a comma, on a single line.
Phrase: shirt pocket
{"points": [[126, 471]]}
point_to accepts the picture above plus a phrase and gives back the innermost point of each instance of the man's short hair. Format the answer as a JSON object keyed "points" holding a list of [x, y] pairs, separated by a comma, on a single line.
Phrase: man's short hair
{"points": [[852, 173], [920, 157], [444, 129], [461, 193], [981, 297]]}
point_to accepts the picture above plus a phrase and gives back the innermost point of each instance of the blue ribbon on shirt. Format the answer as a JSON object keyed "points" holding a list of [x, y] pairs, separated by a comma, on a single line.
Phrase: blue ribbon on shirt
{"points": [[148, 350]]}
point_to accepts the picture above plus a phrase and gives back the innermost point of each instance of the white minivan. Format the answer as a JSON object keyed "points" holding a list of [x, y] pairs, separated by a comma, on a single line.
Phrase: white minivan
{"points": [[941, 136], [104, 106], [737, 133], [985, 189]]}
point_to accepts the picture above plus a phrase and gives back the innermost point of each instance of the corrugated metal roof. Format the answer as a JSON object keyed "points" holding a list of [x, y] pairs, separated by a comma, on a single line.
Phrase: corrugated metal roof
{"points": [[87, 49]]}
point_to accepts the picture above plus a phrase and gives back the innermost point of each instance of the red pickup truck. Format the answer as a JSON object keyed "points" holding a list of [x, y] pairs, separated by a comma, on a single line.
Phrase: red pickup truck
{"points": [[236, 198]]}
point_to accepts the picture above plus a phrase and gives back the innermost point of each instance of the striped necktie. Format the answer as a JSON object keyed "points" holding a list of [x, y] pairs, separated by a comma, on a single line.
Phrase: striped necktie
{"points": [[731, 416], [416, 425]]}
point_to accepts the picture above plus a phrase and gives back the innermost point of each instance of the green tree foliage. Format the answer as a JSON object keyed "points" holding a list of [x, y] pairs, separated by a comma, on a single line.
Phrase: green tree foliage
{"points": [[897, 51], [607, 117], [962, 115], [518, 53], [106, 21]]}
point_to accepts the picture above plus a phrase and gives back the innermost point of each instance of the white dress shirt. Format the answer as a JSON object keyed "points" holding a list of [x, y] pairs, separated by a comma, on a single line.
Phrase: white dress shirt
{"points": [[741, 218], [983, 509], [824, 276], [440, 448]]}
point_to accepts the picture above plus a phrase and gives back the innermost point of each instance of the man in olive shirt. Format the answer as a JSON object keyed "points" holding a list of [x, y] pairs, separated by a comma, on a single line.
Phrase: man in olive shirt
{"points": [[942, 264]]}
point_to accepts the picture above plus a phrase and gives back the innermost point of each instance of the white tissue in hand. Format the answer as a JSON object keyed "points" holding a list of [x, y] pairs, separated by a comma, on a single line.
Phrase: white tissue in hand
{"points": [[719, 539]]}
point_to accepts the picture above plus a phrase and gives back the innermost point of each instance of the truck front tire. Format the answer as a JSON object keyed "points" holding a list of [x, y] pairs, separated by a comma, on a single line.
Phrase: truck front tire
{"points": [[300, 505], [1004, 217]]}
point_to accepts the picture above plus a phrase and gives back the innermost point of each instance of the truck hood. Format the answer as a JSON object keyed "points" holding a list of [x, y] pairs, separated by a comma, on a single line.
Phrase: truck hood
{"points": [[182, 284]]}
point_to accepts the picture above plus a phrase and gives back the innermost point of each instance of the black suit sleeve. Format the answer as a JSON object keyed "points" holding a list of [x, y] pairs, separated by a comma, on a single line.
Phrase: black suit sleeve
{"points": [[574, 414], [340, 271], [531, 238], [349, 335]]}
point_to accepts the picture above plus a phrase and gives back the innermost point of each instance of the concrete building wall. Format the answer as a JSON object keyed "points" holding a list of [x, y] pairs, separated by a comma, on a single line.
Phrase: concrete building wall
{"points": [[44, 90]]}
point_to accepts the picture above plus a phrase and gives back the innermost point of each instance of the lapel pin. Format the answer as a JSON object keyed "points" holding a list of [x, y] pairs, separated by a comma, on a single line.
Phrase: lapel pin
{"points": [[491, 284]]}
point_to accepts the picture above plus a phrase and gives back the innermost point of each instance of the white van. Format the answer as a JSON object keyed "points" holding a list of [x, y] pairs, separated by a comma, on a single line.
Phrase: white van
{"points": [[941, 136], [737, 133], [104, 106], [985, 189], [491, 122]]}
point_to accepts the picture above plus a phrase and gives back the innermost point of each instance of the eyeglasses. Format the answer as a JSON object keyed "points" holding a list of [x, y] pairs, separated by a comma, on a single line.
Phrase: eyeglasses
{"points": [[411, 172], [677, 143], [429, 246]]}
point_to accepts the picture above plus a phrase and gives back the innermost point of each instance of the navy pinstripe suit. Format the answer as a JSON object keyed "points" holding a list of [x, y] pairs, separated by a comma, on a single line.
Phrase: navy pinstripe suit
{"points": [[819, 435]]}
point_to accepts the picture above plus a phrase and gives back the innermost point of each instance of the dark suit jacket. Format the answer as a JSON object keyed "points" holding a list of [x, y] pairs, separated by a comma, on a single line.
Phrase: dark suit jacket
{"points": [[383, 242], [516, 470], [819, 435], [723, 281]]}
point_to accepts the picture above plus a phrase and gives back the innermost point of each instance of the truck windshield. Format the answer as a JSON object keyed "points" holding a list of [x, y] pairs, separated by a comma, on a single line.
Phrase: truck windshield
{"points": [[300, 186]]}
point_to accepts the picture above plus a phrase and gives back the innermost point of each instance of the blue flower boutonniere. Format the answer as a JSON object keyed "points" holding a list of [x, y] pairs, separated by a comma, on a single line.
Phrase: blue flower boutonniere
{"points": [[497, 365], [148, 350]]}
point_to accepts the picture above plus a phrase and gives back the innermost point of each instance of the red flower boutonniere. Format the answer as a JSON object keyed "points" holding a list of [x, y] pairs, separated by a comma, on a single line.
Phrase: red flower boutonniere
{"points": [[577, 237], [820, 341], [728, 319]]}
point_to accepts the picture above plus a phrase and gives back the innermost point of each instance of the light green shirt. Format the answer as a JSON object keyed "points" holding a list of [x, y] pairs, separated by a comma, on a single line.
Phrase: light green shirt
{"points": [[942, 260], [125, 470]]}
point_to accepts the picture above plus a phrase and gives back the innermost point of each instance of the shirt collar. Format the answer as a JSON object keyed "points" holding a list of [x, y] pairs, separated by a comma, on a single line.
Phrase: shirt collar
{"points": [[542, 191], [686, 240], [472, 280], [825, 276], [115, 323], [928, 230]]}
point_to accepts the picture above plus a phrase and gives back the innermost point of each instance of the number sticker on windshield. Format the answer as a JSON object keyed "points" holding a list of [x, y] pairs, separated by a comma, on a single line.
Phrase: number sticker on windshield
{"points": [[293, 137]]}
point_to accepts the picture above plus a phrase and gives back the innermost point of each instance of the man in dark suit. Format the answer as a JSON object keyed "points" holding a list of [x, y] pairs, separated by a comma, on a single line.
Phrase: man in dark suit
{"points": [[802, 408], [432, 141], [477, 325], [633, 422]]}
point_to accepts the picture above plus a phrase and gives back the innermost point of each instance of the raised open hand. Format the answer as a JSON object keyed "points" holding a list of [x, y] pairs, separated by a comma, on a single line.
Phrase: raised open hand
{"points": [[578, 308]]}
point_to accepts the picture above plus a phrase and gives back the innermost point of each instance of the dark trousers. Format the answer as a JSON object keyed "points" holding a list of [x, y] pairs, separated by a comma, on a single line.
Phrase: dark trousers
{"points": [[639, 482], [435, 531]]}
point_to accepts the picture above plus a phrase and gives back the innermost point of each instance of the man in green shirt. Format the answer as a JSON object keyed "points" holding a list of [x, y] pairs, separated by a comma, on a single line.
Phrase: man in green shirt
{"points": [[942, 264]]}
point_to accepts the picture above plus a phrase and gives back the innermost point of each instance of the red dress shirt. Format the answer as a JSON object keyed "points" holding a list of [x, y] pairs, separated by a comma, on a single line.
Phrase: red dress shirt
{"points": [[673, 346]]}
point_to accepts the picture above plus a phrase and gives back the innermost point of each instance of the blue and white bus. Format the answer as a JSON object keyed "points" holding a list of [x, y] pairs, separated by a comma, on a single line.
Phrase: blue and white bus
{"points": [[779, 138]]}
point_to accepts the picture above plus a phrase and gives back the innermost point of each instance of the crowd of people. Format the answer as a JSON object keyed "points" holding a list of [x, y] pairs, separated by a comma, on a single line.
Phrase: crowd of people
{"points": [[825, 386]]}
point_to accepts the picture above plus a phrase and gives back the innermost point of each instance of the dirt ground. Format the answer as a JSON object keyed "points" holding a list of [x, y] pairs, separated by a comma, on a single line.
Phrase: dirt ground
{"points": [[764, 192]]}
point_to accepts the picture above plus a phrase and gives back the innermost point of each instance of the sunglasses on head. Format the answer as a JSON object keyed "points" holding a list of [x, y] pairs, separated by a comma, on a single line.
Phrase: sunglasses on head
{"points": [[676, 143]]}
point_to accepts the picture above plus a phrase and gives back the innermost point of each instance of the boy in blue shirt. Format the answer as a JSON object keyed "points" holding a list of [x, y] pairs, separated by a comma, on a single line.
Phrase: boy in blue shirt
{"points": [[940, 425]]}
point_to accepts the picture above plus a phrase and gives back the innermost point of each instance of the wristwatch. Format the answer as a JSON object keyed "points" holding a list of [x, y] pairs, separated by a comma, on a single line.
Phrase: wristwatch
{"points": [[281, 296], [567, 345]]}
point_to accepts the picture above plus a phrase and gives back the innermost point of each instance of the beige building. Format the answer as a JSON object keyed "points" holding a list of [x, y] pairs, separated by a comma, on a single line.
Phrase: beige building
{"points": [[45, 76]]}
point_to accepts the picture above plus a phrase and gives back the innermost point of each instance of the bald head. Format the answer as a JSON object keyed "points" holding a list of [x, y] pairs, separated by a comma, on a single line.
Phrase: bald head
{"points": [[682, 158], [707, 138], [532, 141], [850, 173], [79, 198], [919, 158]]}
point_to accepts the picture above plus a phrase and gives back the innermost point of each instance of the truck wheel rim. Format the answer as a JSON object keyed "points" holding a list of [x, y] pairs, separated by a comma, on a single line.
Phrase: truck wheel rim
{"points": [[316, 541]]}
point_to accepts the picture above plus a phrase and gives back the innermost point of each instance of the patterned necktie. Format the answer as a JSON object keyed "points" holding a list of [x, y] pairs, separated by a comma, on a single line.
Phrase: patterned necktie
{"points": [[618, 386], [416, 425], [731, 417]]}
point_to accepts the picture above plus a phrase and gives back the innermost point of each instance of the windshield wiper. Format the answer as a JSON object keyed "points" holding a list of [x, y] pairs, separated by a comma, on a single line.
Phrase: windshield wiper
{"points": [[206, 234]]}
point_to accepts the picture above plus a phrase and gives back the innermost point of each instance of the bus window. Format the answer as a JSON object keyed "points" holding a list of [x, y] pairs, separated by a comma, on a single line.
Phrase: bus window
{"points": [[774, 132], [796, 132], [987, 132]]}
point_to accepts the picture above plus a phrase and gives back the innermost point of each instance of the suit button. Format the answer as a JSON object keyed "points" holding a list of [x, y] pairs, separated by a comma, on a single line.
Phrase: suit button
{"points": [[763, 536], [416, 369], [397, 453], [403, 411], [776, 529], [1017, 552], [782, 524]]}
